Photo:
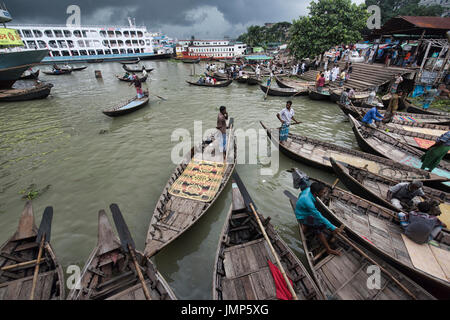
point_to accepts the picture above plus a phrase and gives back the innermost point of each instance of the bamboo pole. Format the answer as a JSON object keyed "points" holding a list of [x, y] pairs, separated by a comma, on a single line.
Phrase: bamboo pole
{"points": [[139, 272], [294, 295], [36, 269], [22, 264]]}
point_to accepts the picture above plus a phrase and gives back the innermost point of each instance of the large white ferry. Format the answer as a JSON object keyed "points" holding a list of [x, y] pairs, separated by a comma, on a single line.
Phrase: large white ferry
{"points": [[91, 43]]}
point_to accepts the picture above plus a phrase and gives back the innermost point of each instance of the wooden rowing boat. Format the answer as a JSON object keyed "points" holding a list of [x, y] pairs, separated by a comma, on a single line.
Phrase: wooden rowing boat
{"points": [[126, 68], [413, 109], [316, 95], [252, 81], [109, 272], [418, 140], [374, 187], [241, 269], [190, 60], [378, 230], [346, 277], [357, 99], [130, 106], [280, 92], [143, 79], [242, 79], [136, 61], [74, 68], [426, 128], [219, 84], [220, 76], [39, 91], [58, 72], [175, 214], [19, 251], [378, 142], [399, 117]]}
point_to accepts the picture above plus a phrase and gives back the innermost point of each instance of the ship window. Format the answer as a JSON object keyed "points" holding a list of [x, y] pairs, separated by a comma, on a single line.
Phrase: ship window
{"points": [[27, 33], [84, 33], [67, 33], [77, 33], [103, 33], [37, 33], [99, 51], [107, 51], [115, 51], [126, 34], [62, 44], [83, 52], [42, 44], [136, 50], [141, 42], [113, 43], [140, 35], [65, 53], [31, 44], [75, 53], [147, 42], [81, 43], [135, 42], [130, 50], [91, 52], [88, 43], [56, 53], [58, 33], [128, 43], [118, 34], [123, 51], [120, 42], [70, 43], [20, 33], [133, 34], [52, 44], [96, 43]]}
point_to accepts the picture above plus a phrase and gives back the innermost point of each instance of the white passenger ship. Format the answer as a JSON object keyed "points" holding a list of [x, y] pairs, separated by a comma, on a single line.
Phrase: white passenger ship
{"points": [[91, 43]]}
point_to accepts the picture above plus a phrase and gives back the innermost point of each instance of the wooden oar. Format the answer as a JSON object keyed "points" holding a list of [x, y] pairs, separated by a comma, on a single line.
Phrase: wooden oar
{"points": [[230, 126], [249, 203], [128, 244], [43, 237], [148, 90]]}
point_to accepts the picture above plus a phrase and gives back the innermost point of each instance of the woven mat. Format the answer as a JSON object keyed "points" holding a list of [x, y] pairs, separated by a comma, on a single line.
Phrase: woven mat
{"points": [[200, 181], [408, 119]]}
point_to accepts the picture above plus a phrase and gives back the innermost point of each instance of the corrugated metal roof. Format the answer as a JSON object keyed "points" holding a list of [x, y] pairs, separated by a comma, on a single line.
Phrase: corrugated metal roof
{"points": [[429, 22]]}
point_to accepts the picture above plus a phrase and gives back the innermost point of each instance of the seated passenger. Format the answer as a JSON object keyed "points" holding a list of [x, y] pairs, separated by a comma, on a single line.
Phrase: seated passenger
{"points": [[403, 194]]}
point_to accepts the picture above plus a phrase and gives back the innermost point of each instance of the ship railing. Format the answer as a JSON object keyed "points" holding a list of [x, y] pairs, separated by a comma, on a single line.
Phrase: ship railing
{"points": [[74, 27]]}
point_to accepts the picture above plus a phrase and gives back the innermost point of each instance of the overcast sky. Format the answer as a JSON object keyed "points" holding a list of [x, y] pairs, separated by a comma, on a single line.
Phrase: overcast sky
{"points": [[180, 19]]}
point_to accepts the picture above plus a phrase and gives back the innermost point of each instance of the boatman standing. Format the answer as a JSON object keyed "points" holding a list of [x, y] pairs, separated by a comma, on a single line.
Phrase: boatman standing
{"points": [[308, 215], [434, 155], [138, 85], [286, 116], [222, 127]]}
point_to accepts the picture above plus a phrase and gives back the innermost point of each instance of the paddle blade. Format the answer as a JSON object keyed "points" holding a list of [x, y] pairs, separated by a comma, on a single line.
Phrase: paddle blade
{"points": [[293, 199], [122, 228], [231, 123], [247, 199], [46, 225]]}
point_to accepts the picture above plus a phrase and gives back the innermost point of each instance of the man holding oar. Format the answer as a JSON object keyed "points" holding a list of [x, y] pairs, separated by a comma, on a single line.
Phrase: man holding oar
{"points": [[286, 116], [222, 127]]}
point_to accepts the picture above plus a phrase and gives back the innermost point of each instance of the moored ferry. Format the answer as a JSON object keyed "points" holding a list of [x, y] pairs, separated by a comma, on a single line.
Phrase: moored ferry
{"points": [[91, 43]]}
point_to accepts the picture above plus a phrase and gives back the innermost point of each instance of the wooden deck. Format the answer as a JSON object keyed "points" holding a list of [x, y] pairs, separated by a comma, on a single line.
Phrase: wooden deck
{"points": [[20, 289]]}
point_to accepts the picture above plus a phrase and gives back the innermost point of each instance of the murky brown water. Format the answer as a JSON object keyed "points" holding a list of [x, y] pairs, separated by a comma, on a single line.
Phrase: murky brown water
{"points": [[56, 142]]}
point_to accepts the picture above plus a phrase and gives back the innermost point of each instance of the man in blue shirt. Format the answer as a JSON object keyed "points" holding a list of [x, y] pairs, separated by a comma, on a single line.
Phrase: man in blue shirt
{"points": [[308, 215], [372, 115]]}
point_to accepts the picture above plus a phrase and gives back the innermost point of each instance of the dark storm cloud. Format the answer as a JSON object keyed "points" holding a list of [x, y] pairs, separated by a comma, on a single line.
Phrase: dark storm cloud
{"points": [[159, 13]]}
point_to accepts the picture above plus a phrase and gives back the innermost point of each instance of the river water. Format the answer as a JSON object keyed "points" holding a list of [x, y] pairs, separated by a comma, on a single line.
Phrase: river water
{"points": [[85, 161]]}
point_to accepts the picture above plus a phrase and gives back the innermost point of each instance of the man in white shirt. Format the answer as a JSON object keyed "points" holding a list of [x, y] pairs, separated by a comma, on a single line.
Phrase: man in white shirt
{"points": [[286, 116]]}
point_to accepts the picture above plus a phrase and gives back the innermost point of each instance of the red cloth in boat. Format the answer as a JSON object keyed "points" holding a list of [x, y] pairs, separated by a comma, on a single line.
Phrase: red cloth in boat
{"points": [[283, 292]]}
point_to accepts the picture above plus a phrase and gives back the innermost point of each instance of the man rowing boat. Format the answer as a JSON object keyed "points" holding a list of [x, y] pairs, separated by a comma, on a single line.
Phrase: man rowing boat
{"points": [[286, 116], [222, 127]]}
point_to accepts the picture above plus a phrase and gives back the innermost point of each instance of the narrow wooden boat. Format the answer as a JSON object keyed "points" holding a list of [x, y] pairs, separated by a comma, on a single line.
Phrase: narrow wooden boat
{"points": [[413, 109], [219, 84], [190, 60], [357, 99], [378, 230], [280, 92], [126, 68], [252, 81], [425, 128], [420, 141], [58, 72], [110, 274], [316, 95], [378, 142], [18, 252], [374, 187], [317, 153], [135, 61], [242, 79], [39, 91], [143, 79], [220, 76], [190, 191], [289, 83], [130, 106], [74, 68], [27, 75], [243, 254], [358, 113], [346, 277]]}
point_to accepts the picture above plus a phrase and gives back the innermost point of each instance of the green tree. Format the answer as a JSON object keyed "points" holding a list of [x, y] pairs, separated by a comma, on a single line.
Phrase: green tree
{"points": [[394, 8], [261, 35], [329, 23]]}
